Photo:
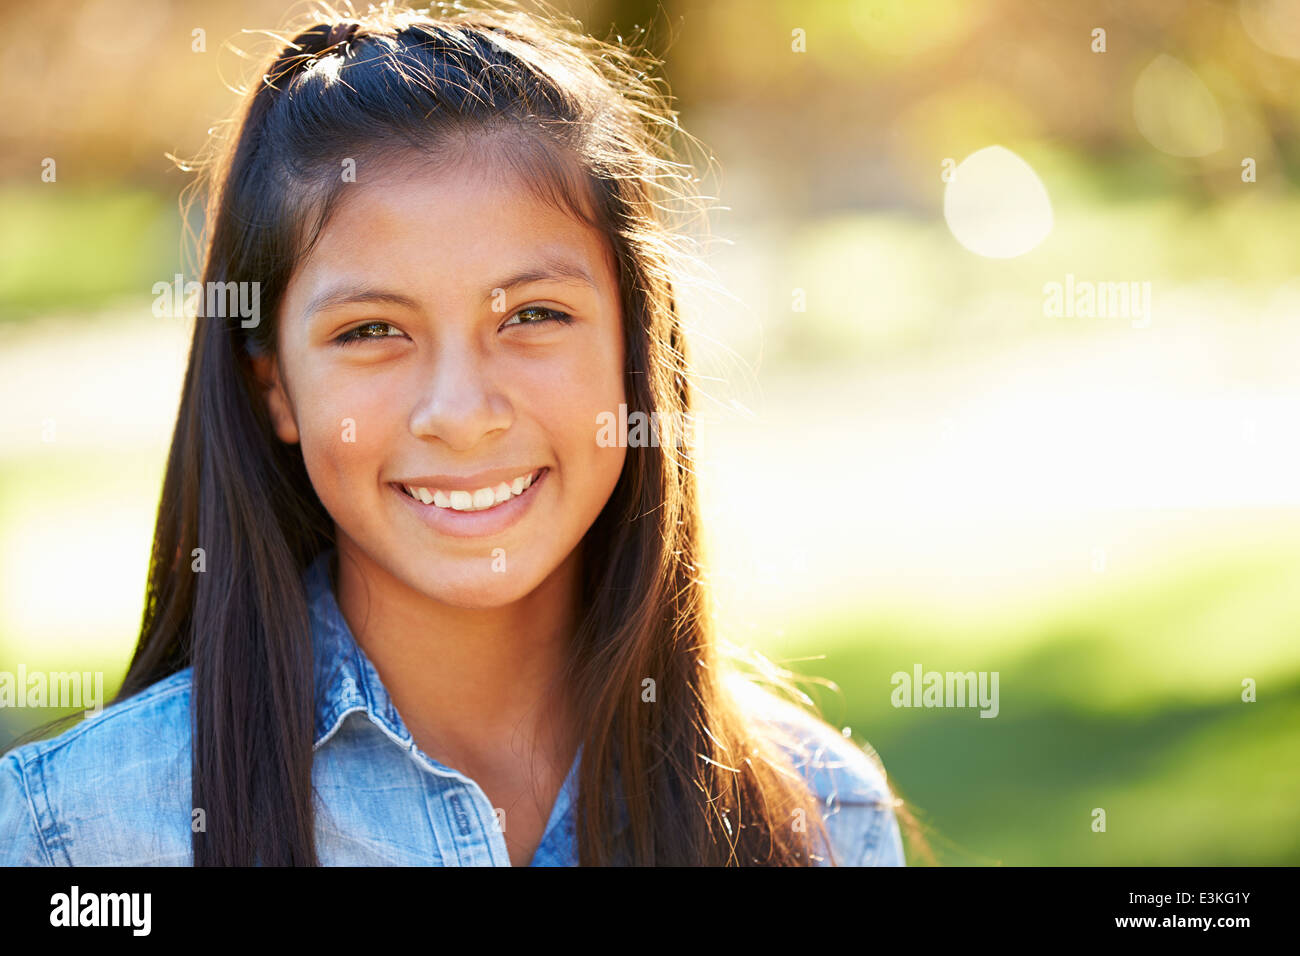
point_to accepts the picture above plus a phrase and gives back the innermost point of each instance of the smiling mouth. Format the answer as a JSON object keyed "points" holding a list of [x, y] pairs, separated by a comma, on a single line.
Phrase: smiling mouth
{"points": [[482, 499]]}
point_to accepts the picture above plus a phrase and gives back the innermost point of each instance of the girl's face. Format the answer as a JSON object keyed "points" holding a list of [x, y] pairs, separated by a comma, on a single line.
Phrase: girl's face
{"points": [[452, 335]]}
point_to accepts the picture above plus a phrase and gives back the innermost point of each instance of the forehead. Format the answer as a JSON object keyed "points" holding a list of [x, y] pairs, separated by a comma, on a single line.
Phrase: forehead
{"points": [[443, 232]]}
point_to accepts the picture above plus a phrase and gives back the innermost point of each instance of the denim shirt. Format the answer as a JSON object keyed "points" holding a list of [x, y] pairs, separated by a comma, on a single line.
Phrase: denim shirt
{"points": [[115, 789]]}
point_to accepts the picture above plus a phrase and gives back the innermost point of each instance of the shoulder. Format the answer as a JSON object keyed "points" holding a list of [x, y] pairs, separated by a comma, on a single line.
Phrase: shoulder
{"points": [[847, 778], [113, 790]]}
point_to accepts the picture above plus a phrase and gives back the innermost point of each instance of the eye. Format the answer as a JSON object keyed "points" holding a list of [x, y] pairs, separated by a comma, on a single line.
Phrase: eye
{"points": [[370, 330], [546, 315]]}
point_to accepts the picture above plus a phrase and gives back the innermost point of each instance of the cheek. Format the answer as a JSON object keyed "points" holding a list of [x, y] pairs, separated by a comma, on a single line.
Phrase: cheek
{"points": [[567, 393], [572, 415], [344, 427]]}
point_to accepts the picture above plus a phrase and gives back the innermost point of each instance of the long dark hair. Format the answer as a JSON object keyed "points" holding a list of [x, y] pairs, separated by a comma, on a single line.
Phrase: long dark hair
{"points": [[700, 785]]}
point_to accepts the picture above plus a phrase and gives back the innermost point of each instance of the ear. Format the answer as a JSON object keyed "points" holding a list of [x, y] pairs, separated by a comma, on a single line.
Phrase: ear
{"points": [[267, 369]]}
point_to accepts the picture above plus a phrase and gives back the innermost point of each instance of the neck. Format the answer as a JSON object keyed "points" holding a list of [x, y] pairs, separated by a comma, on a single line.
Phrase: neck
{"points": [[478, 688]]}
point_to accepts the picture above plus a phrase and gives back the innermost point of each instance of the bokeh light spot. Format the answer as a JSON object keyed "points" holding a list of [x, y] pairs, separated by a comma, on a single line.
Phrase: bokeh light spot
{"points": [[996, 205]]}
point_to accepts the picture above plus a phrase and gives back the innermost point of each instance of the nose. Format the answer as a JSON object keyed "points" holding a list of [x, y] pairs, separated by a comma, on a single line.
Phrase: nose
{"points": [[460, 402]]}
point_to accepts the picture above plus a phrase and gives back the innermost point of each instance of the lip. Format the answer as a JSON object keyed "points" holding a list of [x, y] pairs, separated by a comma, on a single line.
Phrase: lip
{"points": [[473, 524]]}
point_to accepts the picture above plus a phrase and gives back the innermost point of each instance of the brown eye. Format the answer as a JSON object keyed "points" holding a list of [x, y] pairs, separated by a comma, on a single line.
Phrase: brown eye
{"points": [[370, 330], [546, 315]]}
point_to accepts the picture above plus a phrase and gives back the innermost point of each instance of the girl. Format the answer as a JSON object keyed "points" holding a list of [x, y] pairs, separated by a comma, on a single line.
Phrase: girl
{"points": [[405, 604]]}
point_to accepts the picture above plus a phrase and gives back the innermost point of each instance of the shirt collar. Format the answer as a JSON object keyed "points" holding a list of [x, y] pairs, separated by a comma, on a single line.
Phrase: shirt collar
{"points": [[345, 679]]}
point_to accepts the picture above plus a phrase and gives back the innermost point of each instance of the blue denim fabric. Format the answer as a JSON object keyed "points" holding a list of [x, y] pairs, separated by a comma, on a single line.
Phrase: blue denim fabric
{"points": [[115, 789]]}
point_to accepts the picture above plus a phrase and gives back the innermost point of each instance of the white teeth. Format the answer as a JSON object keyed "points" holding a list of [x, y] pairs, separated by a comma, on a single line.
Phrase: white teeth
{"points": [[478, 500]]}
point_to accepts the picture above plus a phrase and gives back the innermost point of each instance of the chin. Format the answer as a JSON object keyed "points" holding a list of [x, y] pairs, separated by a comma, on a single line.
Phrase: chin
{"points": [[478, 590]]}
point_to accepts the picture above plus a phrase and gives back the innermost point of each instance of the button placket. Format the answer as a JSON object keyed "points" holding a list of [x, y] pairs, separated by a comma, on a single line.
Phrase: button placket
{"points": [[473, 825], [469, 820]]}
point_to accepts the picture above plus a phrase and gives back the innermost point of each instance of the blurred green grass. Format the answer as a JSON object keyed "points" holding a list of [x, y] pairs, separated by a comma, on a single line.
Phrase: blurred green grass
{"points": [[1106, 704], [63, 248]]}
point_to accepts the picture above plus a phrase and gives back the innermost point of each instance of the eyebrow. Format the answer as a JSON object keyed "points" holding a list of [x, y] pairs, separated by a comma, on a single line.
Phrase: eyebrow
{"points": [[550, 269], [346, 295]]}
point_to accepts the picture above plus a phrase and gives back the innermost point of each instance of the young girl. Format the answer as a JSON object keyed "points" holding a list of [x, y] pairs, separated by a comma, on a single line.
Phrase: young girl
{"points": [[406, 605]]}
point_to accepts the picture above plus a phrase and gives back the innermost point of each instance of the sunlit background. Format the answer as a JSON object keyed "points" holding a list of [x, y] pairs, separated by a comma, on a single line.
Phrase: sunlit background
{"points": [[919, 444]]}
